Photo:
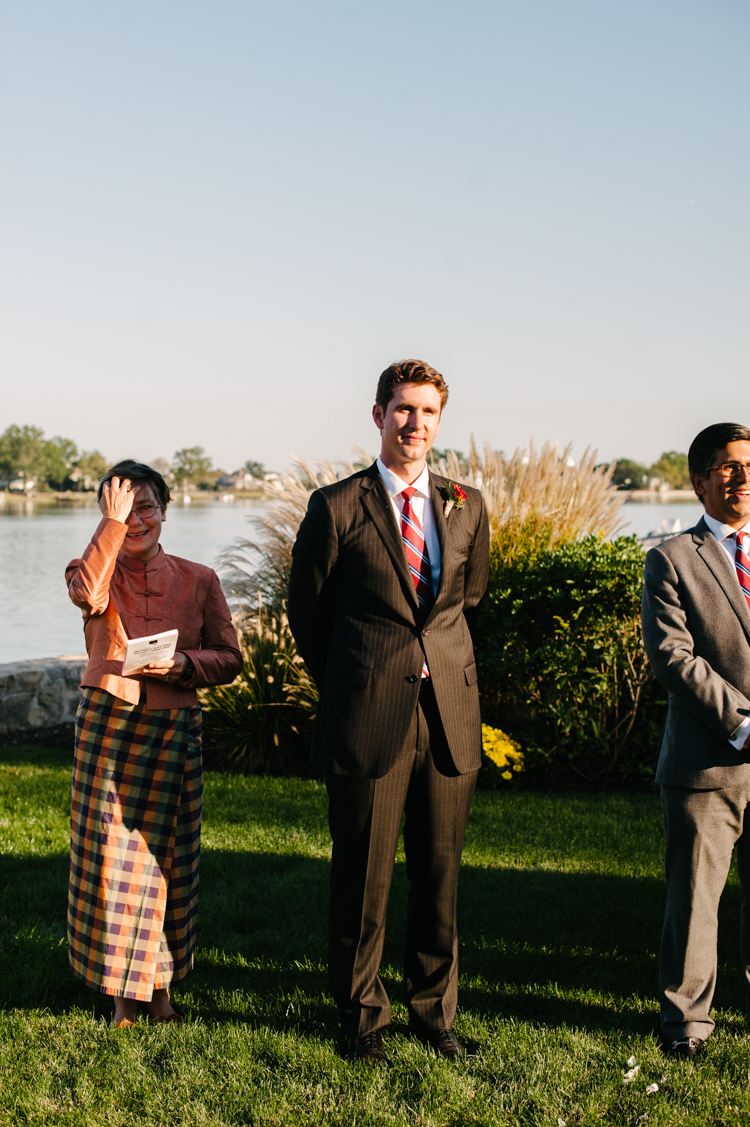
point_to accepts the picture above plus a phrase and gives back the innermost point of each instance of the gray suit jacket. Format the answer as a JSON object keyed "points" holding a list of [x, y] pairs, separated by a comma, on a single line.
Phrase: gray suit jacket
{"points": [[355, 616], [696, 629]]}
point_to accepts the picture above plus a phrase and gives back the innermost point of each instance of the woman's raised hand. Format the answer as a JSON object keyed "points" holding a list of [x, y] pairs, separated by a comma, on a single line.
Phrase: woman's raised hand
{"points": [[117, 499]]}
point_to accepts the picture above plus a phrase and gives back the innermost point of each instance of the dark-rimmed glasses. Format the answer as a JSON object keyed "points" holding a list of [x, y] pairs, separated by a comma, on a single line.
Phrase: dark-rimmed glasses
{"points": [[730, 469]]}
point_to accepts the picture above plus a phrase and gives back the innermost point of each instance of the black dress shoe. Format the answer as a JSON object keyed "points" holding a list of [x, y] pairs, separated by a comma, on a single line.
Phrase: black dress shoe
{"points": [[684, 1047], [445, 1043], [367, 1049]]}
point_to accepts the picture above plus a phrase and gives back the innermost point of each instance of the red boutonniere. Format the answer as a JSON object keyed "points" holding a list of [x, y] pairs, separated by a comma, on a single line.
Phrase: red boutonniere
{"points": [[456, 498]]}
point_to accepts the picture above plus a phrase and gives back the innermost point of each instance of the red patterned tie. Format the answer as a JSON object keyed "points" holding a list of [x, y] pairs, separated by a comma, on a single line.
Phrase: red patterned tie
{"points": [[742, 562], [417, 556]]}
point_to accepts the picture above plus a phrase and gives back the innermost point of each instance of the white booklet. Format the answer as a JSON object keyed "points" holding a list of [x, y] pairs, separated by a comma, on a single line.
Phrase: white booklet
{"points": [[154, 647]]}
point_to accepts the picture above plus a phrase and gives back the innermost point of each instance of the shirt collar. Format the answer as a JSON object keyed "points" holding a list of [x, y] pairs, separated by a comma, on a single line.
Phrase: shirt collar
{"points": [[723, 531], [396, 485]]}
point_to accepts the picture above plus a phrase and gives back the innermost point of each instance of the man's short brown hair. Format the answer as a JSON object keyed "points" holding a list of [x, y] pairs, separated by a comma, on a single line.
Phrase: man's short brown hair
{"points": [[408, 371]]}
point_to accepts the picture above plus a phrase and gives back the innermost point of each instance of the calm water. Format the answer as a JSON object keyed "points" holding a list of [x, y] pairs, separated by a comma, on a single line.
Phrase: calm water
{"points": [[37, 618], [36, 542]]}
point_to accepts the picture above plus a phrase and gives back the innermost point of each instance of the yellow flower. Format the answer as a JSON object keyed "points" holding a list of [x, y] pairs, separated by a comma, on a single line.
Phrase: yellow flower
{"points": [[504, 752]]}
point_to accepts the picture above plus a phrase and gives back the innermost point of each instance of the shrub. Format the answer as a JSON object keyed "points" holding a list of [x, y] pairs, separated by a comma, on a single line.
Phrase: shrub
{"points": [[562, 665], [261, 724]]}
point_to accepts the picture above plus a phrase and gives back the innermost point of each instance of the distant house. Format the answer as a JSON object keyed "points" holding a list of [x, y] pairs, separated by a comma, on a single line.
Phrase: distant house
{"points": [[238, 480]]}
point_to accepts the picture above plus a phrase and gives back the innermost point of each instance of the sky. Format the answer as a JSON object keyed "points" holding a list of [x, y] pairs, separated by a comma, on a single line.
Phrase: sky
{"points": [[220, 221]]}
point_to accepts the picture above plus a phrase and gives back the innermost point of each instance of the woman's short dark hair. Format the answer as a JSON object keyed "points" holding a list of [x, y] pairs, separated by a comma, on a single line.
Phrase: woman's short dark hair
{"points": [[704, 446], [140, 474]]}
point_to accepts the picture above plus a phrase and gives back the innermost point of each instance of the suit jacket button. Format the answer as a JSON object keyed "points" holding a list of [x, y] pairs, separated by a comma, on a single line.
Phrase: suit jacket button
{"points": [[412, 678]]}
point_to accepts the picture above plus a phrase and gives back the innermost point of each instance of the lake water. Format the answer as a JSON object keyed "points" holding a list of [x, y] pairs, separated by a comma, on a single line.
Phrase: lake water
{"points": [[37, 619], [37, 540]]}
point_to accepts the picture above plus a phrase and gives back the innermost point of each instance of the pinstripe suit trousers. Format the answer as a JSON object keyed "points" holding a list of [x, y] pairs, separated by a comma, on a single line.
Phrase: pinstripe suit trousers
{"points": [[365, 818]]}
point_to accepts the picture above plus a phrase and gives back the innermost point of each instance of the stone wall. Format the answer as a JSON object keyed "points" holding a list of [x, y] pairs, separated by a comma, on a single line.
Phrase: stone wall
{"points": [[38, 699]]}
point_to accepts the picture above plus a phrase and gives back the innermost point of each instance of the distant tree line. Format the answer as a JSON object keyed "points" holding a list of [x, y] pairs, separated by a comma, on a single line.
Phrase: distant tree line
{"points": [[671, 470], [30, 462]]}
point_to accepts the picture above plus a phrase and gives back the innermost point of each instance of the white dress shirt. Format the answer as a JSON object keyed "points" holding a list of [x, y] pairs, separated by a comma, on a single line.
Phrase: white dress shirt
{"points": [[421, 503], [724, 533]]}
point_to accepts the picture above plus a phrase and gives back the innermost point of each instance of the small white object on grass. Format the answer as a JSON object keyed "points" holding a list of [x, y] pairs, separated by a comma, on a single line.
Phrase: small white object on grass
{"points": [[651, 1089], [630, 1062], [629, 1077], [560, 1122], [642, 1118]]}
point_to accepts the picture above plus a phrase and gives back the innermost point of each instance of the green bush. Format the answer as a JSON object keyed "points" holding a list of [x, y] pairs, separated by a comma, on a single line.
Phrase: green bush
{"points": [[562, 668], [261, 724]]}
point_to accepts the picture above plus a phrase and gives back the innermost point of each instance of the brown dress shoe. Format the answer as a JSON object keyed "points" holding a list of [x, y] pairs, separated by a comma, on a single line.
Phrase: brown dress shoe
{"points": [[367, 1049], [445, 1043], [166, 1020]]}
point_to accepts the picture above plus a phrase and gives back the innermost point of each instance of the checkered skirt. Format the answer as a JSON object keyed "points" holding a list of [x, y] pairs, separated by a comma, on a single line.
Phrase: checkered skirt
{"points": [[134, 845]]}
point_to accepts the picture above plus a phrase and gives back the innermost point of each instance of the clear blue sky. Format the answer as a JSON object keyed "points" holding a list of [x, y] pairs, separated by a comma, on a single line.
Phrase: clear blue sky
{"points": [[221, 220]]}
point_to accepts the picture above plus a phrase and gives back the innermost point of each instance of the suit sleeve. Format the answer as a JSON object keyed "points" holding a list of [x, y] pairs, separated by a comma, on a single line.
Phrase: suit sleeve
{"points": [[477, 570], [310, 606], [671, 651]]}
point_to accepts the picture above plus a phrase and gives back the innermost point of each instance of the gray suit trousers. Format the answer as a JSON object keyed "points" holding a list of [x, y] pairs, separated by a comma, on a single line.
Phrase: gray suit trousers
{"points": [[703, 828], [365, 819]]}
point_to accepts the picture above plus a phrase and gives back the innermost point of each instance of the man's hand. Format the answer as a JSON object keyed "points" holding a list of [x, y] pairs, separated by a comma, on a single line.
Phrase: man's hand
{"points": [[171, 670], [117, 500]]}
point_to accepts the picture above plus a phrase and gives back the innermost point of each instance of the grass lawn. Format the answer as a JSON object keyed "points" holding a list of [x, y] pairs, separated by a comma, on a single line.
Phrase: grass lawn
{"points": [[560, 907]]}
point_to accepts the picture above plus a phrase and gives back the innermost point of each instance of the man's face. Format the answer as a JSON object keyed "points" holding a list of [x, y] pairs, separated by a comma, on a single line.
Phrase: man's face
{"points": [[408, 426], [727, 499]]}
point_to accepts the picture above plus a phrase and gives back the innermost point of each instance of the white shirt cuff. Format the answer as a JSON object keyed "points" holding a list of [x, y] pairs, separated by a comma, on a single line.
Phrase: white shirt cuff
{"points": [[739, 737]]}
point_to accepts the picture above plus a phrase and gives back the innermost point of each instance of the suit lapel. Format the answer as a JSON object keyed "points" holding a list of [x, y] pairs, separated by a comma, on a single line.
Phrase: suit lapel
{"points": [[377, 504], [443, 535], [715, 558]]}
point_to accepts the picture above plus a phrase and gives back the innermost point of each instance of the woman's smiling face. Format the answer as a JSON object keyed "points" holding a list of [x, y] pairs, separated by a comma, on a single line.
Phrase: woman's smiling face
{"points": [[144, 527]]}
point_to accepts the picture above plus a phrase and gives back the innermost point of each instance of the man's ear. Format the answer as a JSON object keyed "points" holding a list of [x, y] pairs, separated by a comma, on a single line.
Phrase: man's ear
{"points": [[377, 414], [698, 483]]}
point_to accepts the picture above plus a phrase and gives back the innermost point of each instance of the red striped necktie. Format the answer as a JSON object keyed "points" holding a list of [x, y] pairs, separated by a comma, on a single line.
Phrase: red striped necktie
{"points": [[742, 562], [417, 556]]}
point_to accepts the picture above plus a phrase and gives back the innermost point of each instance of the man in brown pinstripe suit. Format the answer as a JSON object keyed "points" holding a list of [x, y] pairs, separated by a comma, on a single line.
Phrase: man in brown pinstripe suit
{"points": [[388, 570]]}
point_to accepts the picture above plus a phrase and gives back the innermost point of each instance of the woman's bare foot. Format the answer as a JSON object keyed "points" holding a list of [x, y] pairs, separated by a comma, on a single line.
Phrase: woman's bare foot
{"points": [[160, 1008], [125, 1011]]}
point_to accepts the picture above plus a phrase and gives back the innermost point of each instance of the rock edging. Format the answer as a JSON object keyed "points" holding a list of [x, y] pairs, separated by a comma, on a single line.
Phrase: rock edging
{"points": [[39, 698]]}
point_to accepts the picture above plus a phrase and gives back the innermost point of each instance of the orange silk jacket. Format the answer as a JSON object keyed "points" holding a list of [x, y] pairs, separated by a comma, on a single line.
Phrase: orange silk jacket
{"points": [[123, 598]]}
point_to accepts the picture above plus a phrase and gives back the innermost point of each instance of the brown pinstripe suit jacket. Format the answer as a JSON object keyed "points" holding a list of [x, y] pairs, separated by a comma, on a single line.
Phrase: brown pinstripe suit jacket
{"points": [[354, 613]]}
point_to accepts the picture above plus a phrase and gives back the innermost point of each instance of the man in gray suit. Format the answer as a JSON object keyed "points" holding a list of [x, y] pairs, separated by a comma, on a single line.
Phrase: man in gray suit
{"points": [[388, 570], [696, 628]]}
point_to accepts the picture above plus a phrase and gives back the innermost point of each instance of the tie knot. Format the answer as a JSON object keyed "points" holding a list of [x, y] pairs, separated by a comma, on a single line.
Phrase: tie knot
{"points": [[407, 494]]}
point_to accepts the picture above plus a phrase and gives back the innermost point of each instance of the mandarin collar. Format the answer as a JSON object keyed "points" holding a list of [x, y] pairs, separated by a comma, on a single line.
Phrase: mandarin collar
{"points": [[138, 565]]}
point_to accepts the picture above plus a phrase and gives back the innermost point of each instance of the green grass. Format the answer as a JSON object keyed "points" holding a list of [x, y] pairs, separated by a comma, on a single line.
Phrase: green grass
{"points": [[560, 908]]}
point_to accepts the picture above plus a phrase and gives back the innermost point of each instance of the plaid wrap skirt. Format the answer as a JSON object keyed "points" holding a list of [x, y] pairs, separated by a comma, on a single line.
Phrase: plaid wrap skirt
{"points": [[134, 845]]}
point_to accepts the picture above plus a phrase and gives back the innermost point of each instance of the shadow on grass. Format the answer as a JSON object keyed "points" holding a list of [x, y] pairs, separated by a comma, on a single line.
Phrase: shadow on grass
{"points": [[541, 947]]}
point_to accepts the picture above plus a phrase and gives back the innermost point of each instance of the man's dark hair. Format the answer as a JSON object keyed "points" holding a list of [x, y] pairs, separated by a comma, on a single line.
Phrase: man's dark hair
{"points": [[408, 371], [705, 445], [140, 474]]}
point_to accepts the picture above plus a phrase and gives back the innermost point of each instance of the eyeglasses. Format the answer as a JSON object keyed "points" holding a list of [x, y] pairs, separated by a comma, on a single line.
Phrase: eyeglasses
{"points": [[730, 469], [145, 511]]}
